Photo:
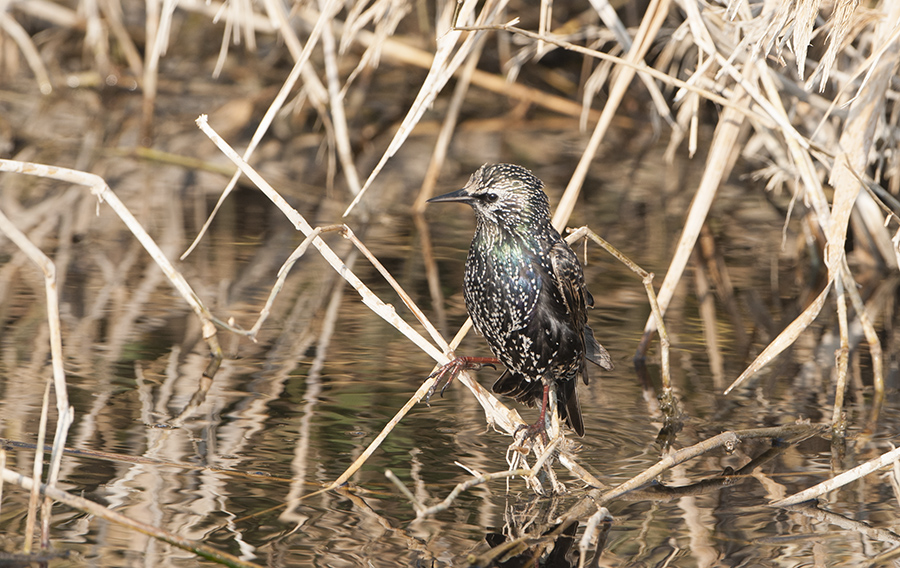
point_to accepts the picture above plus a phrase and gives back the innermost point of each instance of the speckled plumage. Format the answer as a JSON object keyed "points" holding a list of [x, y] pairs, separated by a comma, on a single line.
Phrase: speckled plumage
{"points": [[524, 289]]}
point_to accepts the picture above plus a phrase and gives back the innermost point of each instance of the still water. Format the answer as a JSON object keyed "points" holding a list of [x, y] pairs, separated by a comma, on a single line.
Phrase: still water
{"points": [[288, 414]]}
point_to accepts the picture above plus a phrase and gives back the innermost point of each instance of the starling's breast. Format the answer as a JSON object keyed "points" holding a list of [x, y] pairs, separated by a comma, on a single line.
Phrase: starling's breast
{"points": [[514, 303]]}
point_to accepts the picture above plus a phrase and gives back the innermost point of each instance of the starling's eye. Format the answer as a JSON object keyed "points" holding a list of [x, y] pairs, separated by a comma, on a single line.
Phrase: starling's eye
{"points": [[491, 197]]}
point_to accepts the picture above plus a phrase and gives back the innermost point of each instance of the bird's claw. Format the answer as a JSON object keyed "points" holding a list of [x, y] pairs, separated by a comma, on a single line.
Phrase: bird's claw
{"points": [[454, 368], [533, 431]]}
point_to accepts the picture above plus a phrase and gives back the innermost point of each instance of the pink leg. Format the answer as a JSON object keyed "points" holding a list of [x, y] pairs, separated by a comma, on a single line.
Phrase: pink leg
{"points": [[539, 427]]}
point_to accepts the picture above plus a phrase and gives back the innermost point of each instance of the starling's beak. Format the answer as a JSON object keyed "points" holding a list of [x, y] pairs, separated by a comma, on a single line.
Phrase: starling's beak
{"points": [[460, 195]]}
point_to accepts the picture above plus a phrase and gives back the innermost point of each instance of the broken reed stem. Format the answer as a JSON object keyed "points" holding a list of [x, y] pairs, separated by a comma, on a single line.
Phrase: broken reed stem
{"points": [[64, 411], [37, 472], [728, 440], [842, 357], [97, 510], [784, 339], [600, 497]]}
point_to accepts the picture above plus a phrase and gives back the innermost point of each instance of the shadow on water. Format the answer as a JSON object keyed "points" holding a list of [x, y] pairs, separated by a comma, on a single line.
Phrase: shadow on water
{"points": [[289, 413]]}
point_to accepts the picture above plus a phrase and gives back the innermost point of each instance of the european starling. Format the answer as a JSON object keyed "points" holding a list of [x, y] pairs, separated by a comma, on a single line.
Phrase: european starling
{"points": [[525, 292]]}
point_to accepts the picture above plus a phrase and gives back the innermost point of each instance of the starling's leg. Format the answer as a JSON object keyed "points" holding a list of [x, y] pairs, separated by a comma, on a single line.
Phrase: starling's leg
{"points": [[455, 367], [539, 427]]}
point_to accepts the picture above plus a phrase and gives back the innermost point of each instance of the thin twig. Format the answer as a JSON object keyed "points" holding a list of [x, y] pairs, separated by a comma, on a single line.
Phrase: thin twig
{"points": [[647, 281]]}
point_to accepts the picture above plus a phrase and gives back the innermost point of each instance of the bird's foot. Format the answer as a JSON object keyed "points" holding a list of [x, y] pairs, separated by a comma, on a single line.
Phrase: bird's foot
{"points": [[539, 428], [454, 368]]}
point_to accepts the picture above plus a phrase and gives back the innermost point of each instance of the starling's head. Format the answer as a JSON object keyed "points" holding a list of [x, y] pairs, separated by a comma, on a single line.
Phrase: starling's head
{"points": [[503, 194]]}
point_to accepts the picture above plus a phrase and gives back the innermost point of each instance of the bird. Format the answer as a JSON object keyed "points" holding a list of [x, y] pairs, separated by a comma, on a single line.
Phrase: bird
{"points": [[525, 292]]}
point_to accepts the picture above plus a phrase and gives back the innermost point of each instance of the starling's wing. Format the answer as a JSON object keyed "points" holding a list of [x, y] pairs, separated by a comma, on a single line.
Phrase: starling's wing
{"points": [[595, 353], [569, 281], [588, 299]]}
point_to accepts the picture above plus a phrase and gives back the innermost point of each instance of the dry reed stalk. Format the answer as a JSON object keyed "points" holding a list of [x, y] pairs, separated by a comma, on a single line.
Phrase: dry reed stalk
{"points": [[784, 339], [595, 530], [709, 321], [611, 20], [2, 467], [639, 66], [336, 99], [875, 350], [842, 357], [52, 12], [112, 12], [655, 308], [37, 472], [718, 166], [14, 30], [153, 28], [728, 440]]}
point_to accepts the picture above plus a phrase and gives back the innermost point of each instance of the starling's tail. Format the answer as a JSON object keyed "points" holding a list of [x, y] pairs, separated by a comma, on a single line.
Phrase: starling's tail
{"points": [[595, 352], [531, 393], [567, 402]]}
